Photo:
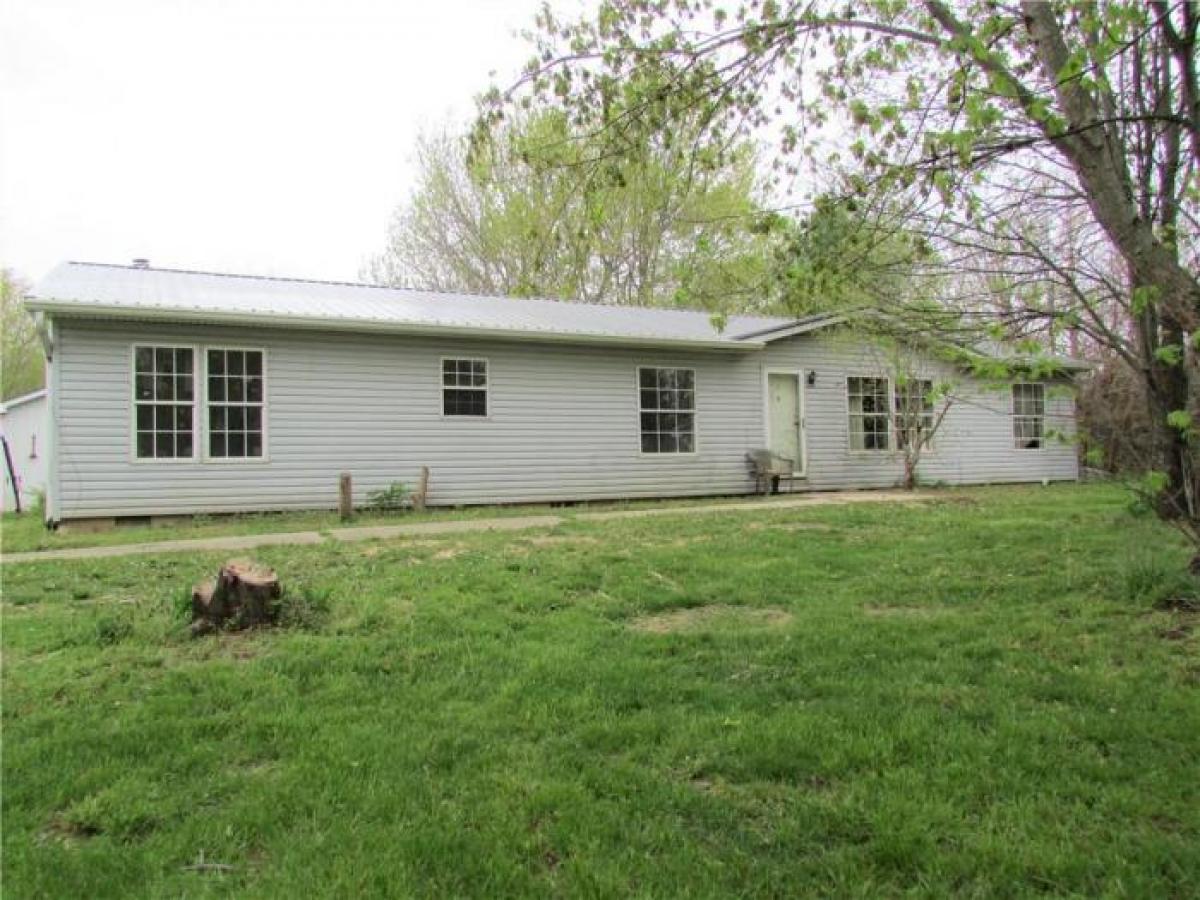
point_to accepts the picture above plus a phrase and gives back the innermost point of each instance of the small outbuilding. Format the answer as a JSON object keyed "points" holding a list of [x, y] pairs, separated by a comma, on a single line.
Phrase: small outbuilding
{"points": [[24, 423]]}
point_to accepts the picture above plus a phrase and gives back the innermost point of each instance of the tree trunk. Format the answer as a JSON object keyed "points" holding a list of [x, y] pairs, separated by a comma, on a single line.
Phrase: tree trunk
{"points": [[243, 595]]}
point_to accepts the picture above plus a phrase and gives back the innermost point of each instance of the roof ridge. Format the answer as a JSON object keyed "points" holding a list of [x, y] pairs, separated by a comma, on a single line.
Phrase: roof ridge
{"points": [[387, 287]]}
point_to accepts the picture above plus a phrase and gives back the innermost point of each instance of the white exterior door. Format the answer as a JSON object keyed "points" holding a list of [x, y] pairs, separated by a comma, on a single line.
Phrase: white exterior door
{"points": [[785, 423]]}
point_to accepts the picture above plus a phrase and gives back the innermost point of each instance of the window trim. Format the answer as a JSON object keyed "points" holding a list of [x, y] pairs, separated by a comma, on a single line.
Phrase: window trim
{"points": [[637, 406], [867, 452], [133, 405], [932, 444], [442, 387], [1012, 418], [206, 457]]}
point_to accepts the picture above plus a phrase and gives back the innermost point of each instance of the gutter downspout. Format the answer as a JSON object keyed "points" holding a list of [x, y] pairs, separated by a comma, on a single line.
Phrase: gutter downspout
{"points": [[49, 334]]}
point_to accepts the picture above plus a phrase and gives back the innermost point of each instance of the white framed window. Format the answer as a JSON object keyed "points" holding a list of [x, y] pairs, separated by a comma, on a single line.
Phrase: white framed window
{"points": [[235, 402], [464, 387], [869, 403], [164, 402], [914, 412], [1029, 416], [667, 409]]}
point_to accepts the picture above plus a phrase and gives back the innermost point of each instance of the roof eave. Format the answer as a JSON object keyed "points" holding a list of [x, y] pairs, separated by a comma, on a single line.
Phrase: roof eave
{"points": [[378, 326], [793, 329], [23, 399]]}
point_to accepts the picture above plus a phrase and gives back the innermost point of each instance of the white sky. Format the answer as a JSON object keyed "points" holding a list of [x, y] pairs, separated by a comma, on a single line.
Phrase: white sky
{"points": [[260, 136]]}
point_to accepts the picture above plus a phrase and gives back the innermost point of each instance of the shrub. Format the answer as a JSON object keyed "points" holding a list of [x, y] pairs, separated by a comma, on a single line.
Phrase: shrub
{"points": [[395, 496]]}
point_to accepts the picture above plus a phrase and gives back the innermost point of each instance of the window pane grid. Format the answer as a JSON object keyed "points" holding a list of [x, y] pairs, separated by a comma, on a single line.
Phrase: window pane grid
{"points": [[914, 411], [1029, 412], [870, 416], [667, 403], [464, 387], [163, 394], [236, 397]]}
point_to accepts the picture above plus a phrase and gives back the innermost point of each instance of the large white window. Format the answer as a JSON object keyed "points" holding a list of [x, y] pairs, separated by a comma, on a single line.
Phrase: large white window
{"points": [[464, 387], [869, 404], [164, 388], [668, 410], [1029, 416], [914, 412], [235, 401]]}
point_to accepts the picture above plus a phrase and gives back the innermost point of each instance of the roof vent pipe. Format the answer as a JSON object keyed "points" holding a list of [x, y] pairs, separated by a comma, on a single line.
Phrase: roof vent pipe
{"points": [[141, 263]]}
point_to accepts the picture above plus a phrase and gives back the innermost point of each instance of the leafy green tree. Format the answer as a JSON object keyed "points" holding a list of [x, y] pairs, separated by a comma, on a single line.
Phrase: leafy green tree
{"points": [[987, 125], [22, 368], [532, 209], [838, 259]]}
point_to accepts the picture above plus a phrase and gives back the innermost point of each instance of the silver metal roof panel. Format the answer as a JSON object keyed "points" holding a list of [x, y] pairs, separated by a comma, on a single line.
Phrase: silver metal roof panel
{"points": [[98, 289]]}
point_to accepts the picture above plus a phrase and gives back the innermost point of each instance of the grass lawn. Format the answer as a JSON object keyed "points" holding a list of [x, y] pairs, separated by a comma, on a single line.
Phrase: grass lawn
{"points": [[973, 697], [26, 532], [19, 533]]}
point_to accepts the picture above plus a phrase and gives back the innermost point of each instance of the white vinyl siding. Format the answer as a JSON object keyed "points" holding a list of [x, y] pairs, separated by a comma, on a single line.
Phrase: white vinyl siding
{"points": [[563, 424], [974, 440]]}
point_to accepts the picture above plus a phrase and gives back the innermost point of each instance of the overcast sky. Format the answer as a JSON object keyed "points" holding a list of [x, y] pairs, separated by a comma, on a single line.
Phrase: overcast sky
{"points": [[261, 136]]}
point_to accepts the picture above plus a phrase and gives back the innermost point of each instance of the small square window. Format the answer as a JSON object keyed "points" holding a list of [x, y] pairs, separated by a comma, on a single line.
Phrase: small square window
{"points": [[464, 387]]}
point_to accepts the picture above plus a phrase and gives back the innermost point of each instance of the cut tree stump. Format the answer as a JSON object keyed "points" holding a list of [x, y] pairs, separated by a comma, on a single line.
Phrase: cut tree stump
{"points": [[243, 595]]}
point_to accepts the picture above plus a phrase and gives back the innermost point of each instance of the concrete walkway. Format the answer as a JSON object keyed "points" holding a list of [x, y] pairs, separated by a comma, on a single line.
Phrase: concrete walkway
{"points": [[239, 543]]}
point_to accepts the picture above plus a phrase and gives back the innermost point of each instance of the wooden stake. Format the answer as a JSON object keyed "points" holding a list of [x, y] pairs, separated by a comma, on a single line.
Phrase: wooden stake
{"points": [[12, 473], [345, 496], [422, 493]]}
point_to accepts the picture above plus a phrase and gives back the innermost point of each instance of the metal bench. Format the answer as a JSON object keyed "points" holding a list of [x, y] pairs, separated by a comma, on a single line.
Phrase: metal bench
{"points": [[769, 469]]}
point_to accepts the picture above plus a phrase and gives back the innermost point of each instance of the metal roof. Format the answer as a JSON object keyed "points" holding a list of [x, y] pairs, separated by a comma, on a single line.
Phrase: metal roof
{"points": [[141, 292], [22, 400]]}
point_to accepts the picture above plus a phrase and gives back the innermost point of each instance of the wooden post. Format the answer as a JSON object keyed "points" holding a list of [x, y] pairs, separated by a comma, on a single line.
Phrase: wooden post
{"points": [[422, 493], [345, 496], [12, 474]]}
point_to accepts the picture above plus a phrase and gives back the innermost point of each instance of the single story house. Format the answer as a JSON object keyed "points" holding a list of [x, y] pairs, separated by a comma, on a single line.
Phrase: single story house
{"points": [[191, 392], [24, 422]]}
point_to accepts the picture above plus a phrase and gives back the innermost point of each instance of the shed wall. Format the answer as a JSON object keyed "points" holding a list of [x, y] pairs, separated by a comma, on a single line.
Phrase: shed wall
{"points": [[25, 428]]}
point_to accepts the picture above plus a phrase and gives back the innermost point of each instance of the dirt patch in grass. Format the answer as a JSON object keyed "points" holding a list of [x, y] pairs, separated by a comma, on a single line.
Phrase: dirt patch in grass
{"points": [[1179, 629], [562, 540], [714, 616], [61, 830], [880, 611], [789, 526]]}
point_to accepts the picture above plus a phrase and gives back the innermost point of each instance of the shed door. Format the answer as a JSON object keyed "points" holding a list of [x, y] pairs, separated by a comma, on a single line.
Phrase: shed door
{"points": [[784, 423]]}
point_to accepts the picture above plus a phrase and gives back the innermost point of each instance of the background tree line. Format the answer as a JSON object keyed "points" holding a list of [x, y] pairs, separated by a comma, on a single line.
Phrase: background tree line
{"points": [[22, 364]]}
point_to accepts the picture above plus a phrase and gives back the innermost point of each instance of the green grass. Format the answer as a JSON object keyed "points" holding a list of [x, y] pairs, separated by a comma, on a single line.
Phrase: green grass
{"points": [[975, 697], [27, 532], [19, 533]]}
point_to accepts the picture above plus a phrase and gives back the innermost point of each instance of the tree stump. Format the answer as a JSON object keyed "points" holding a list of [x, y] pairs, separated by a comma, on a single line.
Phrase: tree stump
{"points": [[243, 595]]}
